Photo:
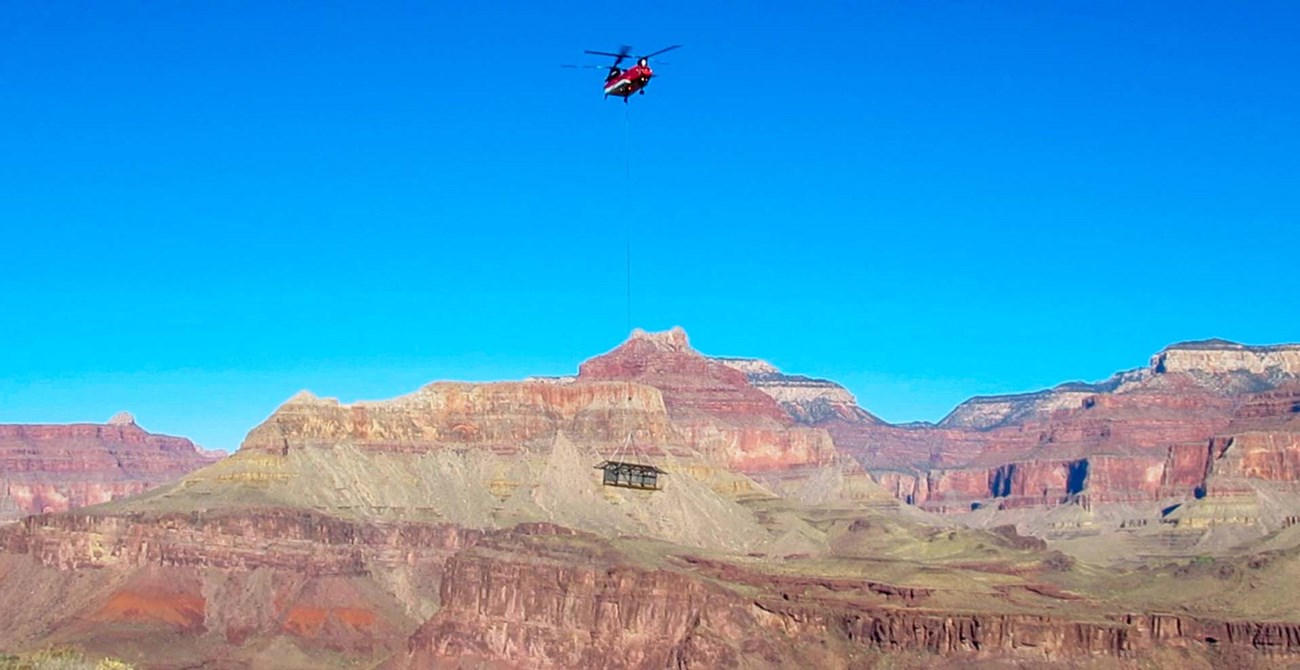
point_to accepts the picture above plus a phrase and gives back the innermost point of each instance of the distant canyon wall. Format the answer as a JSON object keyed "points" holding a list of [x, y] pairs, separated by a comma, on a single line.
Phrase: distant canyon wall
{"points": [[56, 467]]}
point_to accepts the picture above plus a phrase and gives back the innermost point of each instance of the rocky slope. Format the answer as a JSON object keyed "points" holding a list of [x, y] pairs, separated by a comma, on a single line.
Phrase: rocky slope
{"points": [[463, 526], [54, 468]]}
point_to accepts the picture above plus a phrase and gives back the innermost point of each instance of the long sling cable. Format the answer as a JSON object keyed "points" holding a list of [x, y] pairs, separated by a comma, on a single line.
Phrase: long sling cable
{"points": [[627, 198]]}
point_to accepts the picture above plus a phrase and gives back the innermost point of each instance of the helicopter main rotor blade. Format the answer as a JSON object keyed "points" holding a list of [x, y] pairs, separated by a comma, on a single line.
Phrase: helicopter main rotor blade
{"points": [[624, 52], [664, 50], [587, 67]]}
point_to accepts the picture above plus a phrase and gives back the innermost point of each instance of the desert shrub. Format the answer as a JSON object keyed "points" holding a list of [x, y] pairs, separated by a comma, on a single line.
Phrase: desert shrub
{"points": [[1058, 561], [59, 659], [1012, 538]]}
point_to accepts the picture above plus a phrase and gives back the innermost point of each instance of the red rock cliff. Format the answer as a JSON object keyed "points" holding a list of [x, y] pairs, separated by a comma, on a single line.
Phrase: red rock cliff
{"points": [[1141, 436], [54, 468], [714, 403], [546, 597]]}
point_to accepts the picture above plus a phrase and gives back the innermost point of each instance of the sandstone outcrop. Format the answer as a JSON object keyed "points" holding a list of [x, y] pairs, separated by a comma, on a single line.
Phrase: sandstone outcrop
{"points": [[1220, 357], [805, 399]]}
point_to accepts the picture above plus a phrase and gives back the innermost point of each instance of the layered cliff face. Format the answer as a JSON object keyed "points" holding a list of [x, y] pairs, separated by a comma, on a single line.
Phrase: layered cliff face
{"points": [[986, 412], [805, 399], [691, 384], [54, 468], [1223, 358], [173, 590], [1251, 479], [654, 396], [464, 526], [591, 604], [290, 589], [715, 404], [494, 455], [1217, 366], [1192, 451]]}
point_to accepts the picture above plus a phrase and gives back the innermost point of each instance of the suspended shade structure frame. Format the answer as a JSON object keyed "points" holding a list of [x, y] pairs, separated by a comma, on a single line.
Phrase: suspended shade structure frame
{"points": [[632, 475]]}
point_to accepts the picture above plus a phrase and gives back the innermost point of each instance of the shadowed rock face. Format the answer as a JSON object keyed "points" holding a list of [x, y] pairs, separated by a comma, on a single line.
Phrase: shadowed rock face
{"points": [[54, 468]]}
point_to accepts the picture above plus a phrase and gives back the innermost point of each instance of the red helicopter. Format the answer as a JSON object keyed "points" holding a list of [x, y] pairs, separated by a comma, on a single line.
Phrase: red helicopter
{"points": [[624, 83]]}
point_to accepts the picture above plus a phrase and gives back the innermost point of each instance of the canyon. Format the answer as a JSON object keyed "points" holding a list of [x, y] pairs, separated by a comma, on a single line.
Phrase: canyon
{"points": [[1194, 450], [1148, 520]]}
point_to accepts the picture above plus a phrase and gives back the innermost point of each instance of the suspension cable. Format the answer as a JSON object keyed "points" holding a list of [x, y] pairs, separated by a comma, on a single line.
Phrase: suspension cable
{"points": [[627, 198]]}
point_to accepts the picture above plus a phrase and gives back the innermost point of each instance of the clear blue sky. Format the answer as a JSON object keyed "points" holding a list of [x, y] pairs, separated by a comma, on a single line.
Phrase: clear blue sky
{"points": [[209, 206]]}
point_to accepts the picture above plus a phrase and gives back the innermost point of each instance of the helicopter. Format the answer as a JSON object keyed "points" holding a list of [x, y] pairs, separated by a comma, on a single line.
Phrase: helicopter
{"points": [[624, 83]]}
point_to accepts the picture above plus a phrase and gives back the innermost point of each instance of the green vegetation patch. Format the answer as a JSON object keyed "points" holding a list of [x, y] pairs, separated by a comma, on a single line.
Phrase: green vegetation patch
{"points": [[59, 659]]}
